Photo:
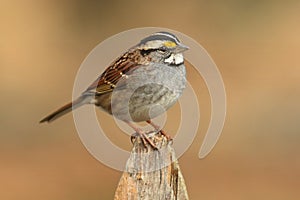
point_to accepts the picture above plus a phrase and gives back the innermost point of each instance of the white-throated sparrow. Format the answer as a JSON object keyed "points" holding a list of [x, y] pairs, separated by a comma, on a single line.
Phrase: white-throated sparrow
{"points": [[148, 75]]}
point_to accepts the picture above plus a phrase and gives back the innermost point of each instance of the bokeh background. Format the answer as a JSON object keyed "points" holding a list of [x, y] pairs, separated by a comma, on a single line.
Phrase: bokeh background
{"points": [[255, 44]]}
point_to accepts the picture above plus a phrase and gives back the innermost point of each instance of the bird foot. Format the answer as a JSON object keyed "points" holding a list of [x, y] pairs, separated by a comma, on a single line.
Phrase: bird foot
{"points": [[144, 136], [169, 138], [158, 129]]}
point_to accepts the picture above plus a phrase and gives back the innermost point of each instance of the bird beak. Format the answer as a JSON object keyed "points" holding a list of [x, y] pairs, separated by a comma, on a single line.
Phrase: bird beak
{"points": [[181, 48]]}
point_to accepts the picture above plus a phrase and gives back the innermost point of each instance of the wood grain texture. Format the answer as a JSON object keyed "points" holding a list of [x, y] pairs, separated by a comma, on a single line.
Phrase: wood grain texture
{"points": [[152, 174]]}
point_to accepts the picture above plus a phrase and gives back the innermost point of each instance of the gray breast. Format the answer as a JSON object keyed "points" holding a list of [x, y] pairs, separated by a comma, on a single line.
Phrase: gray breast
{"points": [[154, 88]]}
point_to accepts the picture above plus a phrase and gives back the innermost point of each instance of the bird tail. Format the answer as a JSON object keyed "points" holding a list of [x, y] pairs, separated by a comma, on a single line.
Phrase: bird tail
{"points": [[66, 109]]}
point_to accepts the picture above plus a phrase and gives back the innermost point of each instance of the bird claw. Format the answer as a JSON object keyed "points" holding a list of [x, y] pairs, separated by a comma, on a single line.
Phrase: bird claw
{"points": [[169, 138], [158, 129], [145, 139]]}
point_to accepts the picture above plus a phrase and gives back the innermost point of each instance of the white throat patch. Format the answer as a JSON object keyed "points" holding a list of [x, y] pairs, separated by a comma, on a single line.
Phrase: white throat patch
{"points": [[175, 59]]}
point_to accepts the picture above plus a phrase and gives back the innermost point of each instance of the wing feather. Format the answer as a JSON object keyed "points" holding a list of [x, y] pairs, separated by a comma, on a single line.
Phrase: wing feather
{"points": [[108, 80]]}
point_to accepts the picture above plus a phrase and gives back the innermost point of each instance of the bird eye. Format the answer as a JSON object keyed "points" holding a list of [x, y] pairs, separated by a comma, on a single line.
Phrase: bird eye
{"points": [[162, 49]]}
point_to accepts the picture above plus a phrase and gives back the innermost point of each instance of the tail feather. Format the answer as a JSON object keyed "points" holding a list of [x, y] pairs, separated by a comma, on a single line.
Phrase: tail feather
{"points": [[66, 109]]}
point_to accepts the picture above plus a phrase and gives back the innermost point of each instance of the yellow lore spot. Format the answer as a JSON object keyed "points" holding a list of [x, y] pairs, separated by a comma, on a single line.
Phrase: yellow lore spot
{"points": [[170, 44]]}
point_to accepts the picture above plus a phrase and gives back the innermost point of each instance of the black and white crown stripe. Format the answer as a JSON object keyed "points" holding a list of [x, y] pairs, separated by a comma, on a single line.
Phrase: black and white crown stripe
{"points": [[168, 35], [161, 36]]}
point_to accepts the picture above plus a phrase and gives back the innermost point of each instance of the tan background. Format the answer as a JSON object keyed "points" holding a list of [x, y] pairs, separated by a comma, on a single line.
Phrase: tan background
{"points": [[256, 45]]}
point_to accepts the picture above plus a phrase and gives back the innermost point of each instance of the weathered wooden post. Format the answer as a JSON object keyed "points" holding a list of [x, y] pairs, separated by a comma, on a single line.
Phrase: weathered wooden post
{"points": [[152, 174]]}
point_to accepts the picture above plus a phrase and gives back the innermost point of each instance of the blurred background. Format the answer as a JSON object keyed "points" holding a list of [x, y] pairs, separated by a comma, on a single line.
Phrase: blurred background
{"points": [[255, 44]]}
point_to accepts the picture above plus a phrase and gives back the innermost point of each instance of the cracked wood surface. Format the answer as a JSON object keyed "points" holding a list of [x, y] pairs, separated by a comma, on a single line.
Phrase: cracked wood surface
{"points": [[152, 174]]}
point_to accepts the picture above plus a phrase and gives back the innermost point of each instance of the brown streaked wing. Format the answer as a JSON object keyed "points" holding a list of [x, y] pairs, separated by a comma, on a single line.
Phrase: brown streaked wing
{"points": [[110, 77]]}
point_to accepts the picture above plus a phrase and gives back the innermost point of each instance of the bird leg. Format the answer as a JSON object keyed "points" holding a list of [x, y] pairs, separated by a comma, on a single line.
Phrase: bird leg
{"points": [[142, 134], [157, 128]]}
